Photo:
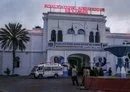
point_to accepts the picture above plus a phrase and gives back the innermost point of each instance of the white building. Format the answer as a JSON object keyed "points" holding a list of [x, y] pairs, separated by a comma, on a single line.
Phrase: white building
{"points": [[67, 38], [33, 55]]}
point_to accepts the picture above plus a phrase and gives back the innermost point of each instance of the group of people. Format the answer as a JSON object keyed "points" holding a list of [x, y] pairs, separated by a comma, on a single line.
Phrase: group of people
{"points": [[100, 72], [86, 72], [74, 75]]}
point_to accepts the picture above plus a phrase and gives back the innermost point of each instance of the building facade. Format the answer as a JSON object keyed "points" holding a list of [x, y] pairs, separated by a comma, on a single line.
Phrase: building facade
{"points": [[67, 38], [80, 39]]}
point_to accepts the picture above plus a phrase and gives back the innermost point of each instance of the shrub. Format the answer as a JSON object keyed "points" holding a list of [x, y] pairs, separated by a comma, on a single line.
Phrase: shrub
{"points": [[7, 71]]}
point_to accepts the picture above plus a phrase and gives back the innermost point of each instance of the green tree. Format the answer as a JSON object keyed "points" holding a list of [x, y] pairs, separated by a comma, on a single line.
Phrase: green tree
{"points": [[13, 37]]}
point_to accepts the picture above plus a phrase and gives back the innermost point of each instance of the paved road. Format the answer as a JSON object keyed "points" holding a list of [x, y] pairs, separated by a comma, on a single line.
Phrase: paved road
{"points": [[16, 84]]}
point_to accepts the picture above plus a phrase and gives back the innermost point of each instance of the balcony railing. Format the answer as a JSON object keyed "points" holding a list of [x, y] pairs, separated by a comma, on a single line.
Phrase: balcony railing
{"points": [[76, 46]]}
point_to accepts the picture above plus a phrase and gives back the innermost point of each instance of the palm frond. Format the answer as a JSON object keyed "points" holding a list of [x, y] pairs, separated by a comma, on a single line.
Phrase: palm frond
{"points": [[13, 36]]}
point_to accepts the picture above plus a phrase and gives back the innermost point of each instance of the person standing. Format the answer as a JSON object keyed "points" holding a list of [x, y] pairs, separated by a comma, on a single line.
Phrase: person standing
{"points": [[101, 72], [109, 72], [74, 76], [86, 73]]}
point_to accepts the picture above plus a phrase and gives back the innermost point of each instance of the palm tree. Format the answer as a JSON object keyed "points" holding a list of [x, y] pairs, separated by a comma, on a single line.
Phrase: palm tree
{"points": [[13, 37]]}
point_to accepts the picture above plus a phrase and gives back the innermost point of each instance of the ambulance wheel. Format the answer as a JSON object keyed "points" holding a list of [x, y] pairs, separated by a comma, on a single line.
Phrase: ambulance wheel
{"points": [[40, 76], [32, 76], [56, 75]]}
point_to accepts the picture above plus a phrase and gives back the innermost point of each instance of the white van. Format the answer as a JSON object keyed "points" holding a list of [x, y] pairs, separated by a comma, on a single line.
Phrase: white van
{"points": [[47, 70]]}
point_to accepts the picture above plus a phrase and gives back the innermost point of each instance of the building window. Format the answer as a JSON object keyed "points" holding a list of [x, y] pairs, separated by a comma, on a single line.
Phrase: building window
{"points": [[91, 37], [97, 27], [60, 36], [53, 35], [81, 31], [97, 37], [17, 62], [71, 31]]}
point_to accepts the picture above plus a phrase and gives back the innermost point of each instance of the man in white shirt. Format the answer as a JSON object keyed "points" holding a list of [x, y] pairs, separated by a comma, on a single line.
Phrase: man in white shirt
{"points": [[74, 76]]}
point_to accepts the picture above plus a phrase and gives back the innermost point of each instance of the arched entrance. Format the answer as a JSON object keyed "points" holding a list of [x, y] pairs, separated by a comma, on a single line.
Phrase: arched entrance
{"points": [[80, 61]]}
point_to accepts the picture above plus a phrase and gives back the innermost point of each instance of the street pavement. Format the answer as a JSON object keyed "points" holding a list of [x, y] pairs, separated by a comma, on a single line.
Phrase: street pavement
{"points": [[25, 84]]}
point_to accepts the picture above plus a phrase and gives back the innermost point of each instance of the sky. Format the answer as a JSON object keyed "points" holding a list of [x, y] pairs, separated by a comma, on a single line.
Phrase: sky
{"points": [[29, 12]]}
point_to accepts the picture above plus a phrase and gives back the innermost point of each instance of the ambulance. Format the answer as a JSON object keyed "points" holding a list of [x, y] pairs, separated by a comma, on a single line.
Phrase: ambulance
{"points": [[47, 70]]}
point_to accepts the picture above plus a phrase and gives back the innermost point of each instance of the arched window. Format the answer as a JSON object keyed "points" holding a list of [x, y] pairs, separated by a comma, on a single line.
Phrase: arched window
{"points": [[81, 31], [71, 31], [97, 37], [53, 35], [91, 37], [60, 36]]}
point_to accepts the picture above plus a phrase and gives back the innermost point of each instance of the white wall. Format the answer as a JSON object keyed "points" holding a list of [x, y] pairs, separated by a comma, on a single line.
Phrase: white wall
{"points": [[25, 64], [112, 61], [27, 61], [36, 42], [64, 25], [33, 55], [7, 61], [114, 41], [1, 63]]}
